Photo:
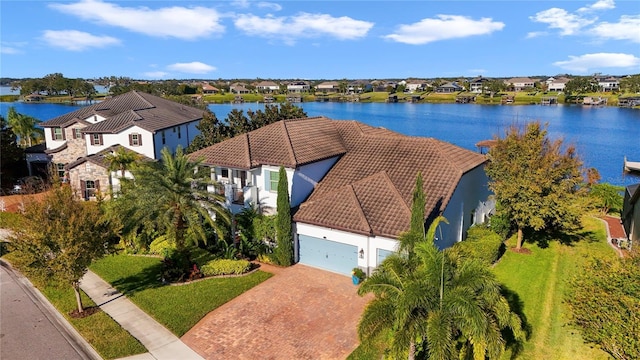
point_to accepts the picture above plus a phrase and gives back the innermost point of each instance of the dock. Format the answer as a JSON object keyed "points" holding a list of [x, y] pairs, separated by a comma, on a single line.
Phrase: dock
{"points": [[631, 166]]}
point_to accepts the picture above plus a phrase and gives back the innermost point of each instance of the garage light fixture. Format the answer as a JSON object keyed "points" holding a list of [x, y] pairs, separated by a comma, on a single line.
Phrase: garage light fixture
{"points": [[361, 253]]}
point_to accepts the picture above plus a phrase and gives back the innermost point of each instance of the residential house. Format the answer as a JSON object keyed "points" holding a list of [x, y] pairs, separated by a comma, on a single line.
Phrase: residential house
{"points": [[350, 186], [328, 87], [556, 84], [609, 83], [478, 85], [138, 121], [415, 85], [239, 89], [521, 83], [358, 87], [208, 89], [631, 213], [449, 87], [298, 87], [267, 87]]}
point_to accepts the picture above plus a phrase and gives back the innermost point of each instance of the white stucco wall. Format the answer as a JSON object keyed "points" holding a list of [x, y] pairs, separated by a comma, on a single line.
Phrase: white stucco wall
{"points": [[467, 199], [122, 138], [269, 198]]}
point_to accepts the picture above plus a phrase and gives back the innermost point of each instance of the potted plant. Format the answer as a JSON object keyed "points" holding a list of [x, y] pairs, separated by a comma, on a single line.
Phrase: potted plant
{"points": [[357, 275]]}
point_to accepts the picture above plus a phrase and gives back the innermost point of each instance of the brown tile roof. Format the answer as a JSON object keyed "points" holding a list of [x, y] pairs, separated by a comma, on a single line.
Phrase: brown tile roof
{"points": [[99, 158], [137, 108], [290, 143], [368, 190]]}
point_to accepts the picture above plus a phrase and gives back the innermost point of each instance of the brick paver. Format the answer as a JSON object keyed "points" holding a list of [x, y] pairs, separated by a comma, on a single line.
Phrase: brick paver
{"points": [[299, 313]]}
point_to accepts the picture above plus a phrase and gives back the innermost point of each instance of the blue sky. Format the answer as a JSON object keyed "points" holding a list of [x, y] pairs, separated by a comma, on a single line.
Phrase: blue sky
{"points": [[318, 39]]}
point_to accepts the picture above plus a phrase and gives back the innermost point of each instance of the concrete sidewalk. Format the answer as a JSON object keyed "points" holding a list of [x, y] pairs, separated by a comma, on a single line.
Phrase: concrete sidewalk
{"points": [[160, 342]]}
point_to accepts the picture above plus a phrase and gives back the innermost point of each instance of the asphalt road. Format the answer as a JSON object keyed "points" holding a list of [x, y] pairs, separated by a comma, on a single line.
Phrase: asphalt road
{"points": [[30, 328]]}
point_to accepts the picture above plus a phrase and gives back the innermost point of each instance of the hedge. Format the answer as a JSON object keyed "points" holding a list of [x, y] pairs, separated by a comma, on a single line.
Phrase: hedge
{"points": [[225, 267]]}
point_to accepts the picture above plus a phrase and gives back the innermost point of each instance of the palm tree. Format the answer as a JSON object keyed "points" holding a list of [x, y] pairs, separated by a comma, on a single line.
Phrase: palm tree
{"points": [[121, 160], [451, 306], [172, 195], [24, 126]]}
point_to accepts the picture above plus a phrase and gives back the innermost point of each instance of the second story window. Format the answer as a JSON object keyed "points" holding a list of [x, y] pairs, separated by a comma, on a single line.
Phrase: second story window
{"points": [[135, 139], [77, 134], [57, 134], [96, 139], [272, 180], [164, 138], [179, 134]]}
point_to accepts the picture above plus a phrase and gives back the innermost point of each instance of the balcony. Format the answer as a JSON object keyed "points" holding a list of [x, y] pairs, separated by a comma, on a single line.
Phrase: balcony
{"points": [[236, 198]]}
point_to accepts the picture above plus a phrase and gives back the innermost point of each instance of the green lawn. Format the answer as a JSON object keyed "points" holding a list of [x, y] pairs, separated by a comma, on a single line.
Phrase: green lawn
{"points": [[540, 280], [178, 308]]}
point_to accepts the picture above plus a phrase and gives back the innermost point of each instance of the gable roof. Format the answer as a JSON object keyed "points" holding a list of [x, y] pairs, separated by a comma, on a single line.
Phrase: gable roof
{"points": [[134, 108], [369, 189], [99, 158], [290, 143]]}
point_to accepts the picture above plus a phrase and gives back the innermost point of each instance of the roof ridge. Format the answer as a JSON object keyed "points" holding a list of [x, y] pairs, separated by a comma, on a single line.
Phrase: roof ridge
{"points": [[139, 95], [359, 207], [290, 147], [248, 145], [440, 151]]}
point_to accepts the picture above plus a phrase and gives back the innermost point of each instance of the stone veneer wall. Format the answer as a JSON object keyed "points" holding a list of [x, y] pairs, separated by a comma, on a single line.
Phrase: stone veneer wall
{"points": [[76, 148], [89, 171]]}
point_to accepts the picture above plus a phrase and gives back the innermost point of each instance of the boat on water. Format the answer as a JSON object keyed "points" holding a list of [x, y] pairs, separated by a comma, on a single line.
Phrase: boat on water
{"points": [[631, 166]]}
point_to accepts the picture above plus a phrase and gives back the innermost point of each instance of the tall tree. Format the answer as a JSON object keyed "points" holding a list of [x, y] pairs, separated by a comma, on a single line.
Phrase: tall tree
{"points": [[24, 126], [12, 159], [284, 250], [171, 195], [121, 160], [416, 233], [63, 237], [535, 180]]}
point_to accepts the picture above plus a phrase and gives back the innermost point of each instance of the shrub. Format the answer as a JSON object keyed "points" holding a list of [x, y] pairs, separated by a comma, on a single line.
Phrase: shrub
{"points": [[482, 243], [225, 267], [359, 273], [176, 266], [161, 246]]}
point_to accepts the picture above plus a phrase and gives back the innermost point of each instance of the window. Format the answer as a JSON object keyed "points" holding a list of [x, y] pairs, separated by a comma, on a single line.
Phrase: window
{"points": [[164, 138], [224, 173], [77, 134], [135, 139], [96, 139], [60, 170], [89, 188], [57, 134], [272, 180], [179, 133]]}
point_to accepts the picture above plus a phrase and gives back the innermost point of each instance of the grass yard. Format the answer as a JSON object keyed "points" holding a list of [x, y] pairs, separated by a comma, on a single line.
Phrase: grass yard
{"points": [[178, 308], [540, 281]]}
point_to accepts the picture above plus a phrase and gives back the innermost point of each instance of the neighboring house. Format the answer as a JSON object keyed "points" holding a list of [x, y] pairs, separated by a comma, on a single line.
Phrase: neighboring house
{"points": [[358, 87], [37, 160], [449, 87], [478, 84], [328, 87], [556, 84], [631, 213], [521, 83], [267, 87], [298, 87], [238, 88], [415, 85], [208, 89], [350, 186], [138, 121], [608, 83]]}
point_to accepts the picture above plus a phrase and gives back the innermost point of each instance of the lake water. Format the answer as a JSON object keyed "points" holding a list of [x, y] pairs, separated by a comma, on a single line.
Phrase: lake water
{"points": [[602, 136]]}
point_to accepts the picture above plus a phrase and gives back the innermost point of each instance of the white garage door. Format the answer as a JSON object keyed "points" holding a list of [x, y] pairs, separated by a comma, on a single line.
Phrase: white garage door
{"points": [[327, 254]]}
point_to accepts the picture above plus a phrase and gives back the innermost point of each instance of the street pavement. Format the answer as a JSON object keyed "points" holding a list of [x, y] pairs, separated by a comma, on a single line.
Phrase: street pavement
{"points": [[31, 328]]}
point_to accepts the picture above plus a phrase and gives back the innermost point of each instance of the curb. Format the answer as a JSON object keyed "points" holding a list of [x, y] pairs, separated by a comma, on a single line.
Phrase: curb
{"points": [[79, 344]]}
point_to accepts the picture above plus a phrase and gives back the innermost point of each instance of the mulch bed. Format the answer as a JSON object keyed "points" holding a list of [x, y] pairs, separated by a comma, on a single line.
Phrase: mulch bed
{"points": [[88, 311], [521, 250]]}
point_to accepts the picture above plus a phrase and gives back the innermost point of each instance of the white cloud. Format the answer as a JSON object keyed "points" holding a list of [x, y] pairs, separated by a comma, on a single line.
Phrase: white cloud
{"points": [[599, 5], [444, 27], [176, 21], [567, 23], [74, 40], [9, 50], [244, 4], [535, 34], [628, 28], [303, 25], [269, 5], [590, 62], [155, 74], [195, 67]]}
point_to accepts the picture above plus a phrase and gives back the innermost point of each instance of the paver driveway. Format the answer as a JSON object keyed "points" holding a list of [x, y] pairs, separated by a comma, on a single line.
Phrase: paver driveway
{"points": [[299, 313]]}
